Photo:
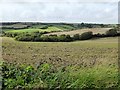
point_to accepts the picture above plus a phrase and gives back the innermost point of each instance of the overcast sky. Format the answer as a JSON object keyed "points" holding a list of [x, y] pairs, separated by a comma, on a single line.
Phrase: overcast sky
{"points": [[72, 11]]}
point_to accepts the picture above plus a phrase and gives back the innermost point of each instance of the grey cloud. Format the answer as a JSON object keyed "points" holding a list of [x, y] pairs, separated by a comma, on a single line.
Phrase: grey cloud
{"points": [[67, 12], [55, 1]]}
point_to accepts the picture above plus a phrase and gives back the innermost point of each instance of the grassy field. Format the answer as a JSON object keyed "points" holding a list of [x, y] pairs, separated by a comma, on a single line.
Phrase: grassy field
{"points": [[60, 30], [80, 31], [91, 61], [49, 29], [99, 50]]}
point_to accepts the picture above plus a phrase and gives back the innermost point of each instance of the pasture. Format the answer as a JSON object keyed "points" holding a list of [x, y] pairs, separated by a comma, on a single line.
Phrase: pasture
{"points": [[49, 29]]}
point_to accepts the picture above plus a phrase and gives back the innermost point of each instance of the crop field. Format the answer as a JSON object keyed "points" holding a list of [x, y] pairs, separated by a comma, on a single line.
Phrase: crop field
{"points": [[68, 53], [94, 30], [95, 60]]}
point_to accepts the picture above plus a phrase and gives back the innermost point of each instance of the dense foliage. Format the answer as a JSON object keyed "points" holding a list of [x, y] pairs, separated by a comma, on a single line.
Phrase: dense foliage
{"points": [[45, 76], [86, 35], [111, 32], [53, 38]]}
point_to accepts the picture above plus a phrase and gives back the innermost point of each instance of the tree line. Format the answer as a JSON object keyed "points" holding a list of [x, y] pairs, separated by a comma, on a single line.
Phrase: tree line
{"points": [[7, 25], [40, 37]]}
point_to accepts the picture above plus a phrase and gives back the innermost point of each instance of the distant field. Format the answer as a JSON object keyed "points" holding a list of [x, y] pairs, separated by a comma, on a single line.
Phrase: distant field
{"points": [[16, 25], [49, 29], [64, 29], [94, 30]]}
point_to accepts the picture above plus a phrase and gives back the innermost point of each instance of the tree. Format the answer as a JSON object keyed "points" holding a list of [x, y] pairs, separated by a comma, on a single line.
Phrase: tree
{"points": [[111, 32], [76, 37], [86, 35]]}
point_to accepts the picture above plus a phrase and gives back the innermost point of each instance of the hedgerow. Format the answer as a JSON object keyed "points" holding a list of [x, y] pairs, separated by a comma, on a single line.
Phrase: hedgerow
{"points": [[40, 37]]}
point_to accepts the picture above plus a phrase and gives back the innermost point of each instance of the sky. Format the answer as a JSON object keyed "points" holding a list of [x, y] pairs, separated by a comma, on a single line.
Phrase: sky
{"points": [[72, 11]]}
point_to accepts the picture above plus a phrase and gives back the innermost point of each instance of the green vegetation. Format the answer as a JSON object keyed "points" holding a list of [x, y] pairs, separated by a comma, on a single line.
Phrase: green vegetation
{"points": [[111, 32], [49, 29], [45, 76], [86, 35]]}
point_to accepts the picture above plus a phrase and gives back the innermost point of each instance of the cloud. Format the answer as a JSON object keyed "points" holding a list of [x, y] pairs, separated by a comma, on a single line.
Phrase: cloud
{"points": [[61, 12], [54, 1]]}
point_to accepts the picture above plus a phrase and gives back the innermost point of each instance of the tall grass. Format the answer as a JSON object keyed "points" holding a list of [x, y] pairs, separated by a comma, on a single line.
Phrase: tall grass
{"points": [[45, 76]]}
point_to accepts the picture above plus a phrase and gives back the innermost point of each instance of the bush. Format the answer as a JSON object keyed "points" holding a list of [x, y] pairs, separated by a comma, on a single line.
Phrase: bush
{"points": [[64, 38], [24, 38], [26, 77], [34, 36], [99, 35], [76, 37], [86, 35], [68, 38], [111, 32], [53, 38], [44, 27], [45, 38]]}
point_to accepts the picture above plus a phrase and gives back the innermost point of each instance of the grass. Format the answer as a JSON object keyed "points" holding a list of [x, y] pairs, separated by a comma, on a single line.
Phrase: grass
{"points": [[67, 52], [87, 63], [1, 74], [65, 27], [49, 29]]}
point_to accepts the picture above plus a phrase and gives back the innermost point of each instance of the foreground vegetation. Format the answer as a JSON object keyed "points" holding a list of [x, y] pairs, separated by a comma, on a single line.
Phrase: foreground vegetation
{"points": [[45, 76]]}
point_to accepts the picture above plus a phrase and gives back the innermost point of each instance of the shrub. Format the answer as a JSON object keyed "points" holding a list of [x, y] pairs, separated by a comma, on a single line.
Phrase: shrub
{"points": [[26, 77], [44, 27], [86, 35], [68, 38], [99, 35], [45, 38], [76, 37], [34, 36], [64, 38], [53, 38], [23, 38], [37, 38], [111, 32]]}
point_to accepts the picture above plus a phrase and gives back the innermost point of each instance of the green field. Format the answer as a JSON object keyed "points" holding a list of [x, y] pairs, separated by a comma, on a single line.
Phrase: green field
{"points": [[49, 29]]}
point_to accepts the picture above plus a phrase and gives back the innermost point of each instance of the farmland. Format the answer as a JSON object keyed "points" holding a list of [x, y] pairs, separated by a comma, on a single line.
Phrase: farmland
{"points": [[50, 29], [84, 64], [80, 31], [67, 53], [92, 58]]}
